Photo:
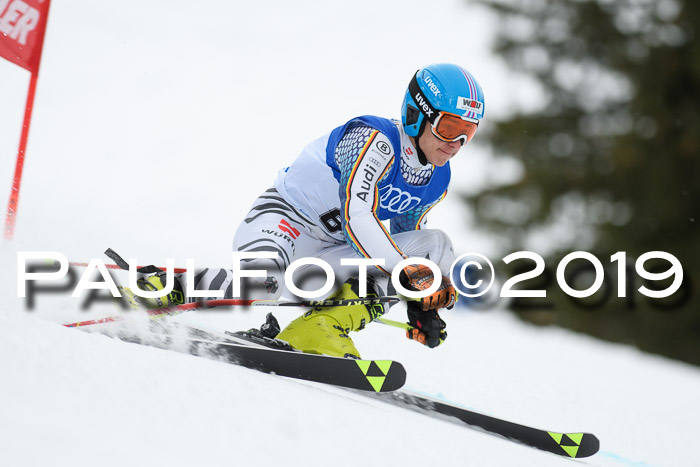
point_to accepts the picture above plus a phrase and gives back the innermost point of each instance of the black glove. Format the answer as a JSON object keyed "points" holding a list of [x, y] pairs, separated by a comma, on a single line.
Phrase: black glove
{"points": [[420, 277], [428, 327]]}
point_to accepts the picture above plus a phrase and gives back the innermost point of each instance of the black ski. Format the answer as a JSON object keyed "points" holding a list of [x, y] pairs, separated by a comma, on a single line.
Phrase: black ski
{"points": [[364, 375], [373, 378], [575, 445]]}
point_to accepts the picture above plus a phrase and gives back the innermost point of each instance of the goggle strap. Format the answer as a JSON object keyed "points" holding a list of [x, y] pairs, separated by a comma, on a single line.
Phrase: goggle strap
{"points": [[421, 101]]}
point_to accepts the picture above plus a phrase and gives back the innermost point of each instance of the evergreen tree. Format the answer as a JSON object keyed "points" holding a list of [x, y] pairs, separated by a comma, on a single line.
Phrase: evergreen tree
{"points": [[610, 158]]}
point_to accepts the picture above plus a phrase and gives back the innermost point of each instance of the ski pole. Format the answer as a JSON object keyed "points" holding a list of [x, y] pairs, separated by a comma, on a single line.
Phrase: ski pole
{"points": [[79, 264], [396, 324], [156, 313]]}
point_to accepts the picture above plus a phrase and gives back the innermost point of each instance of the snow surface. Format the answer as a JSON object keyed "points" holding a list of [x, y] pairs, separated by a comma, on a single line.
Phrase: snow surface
{"points": [[156, 124]]}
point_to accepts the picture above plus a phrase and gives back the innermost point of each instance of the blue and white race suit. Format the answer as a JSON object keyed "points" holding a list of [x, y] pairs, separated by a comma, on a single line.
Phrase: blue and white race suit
{"points": [[333, 202]]}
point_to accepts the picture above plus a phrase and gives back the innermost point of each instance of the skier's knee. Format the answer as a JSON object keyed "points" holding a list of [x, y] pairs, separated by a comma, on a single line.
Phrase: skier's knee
{"points": [[268, 287], [438, 238]]}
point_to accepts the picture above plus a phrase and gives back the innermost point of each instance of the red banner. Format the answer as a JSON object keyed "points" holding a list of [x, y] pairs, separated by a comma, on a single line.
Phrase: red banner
{"points": [[22, 27]]}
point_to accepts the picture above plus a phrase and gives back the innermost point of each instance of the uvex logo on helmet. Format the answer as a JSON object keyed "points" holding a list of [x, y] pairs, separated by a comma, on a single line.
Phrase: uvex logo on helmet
{"points": [[421, 101], [433, 87]]}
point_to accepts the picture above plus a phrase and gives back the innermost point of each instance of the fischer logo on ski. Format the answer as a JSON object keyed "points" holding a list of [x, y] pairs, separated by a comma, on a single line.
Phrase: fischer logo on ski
{"points": [[375, 371]]}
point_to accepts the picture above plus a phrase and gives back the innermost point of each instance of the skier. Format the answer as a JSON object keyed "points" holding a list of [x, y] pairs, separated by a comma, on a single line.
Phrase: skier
{"points": [[329, 204]]}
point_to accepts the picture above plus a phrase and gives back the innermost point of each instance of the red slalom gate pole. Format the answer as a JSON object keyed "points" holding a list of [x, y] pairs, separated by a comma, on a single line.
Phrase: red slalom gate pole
{"points": [[11, 217], [23, 46], [156, 313]]}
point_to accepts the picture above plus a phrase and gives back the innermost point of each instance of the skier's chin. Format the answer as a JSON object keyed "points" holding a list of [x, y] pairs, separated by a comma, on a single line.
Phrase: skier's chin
{"points": [[440, 158]]}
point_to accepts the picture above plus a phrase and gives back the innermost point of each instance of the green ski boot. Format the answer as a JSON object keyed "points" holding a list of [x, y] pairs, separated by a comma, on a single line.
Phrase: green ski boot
{"points": [[324, 330], [151, 284]]}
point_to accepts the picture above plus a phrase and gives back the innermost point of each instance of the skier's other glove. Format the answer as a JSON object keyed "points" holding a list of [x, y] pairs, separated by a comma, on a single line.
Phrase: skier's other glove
{"points": [[420, 277], [428, 328]]}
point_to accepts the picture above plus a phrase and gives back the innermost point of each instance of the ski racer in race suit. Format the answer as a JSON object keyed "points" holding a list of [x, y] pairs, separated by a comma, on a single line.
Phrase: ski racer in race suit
{"points": [[331, 201]]}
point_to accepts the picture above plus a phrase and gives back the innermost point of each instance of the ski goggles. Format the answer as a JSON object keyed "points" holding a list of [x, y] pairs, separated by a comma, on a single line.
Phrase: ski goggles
{"points": [[450, 127]]}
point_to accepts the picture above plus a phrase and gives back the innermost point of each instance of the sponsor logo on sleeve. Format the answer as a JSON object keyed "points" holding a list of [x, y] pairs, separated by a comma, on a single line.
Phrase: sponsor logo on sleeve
{"points": [[366, 184], [383, 147], [285, 226]]}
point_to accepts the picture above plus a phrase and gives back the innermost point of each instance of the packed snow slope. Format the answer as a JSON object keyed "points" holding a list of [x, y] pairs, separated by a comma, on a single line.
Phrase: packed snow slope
{"points": [[76, 398], [155, 126]]}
